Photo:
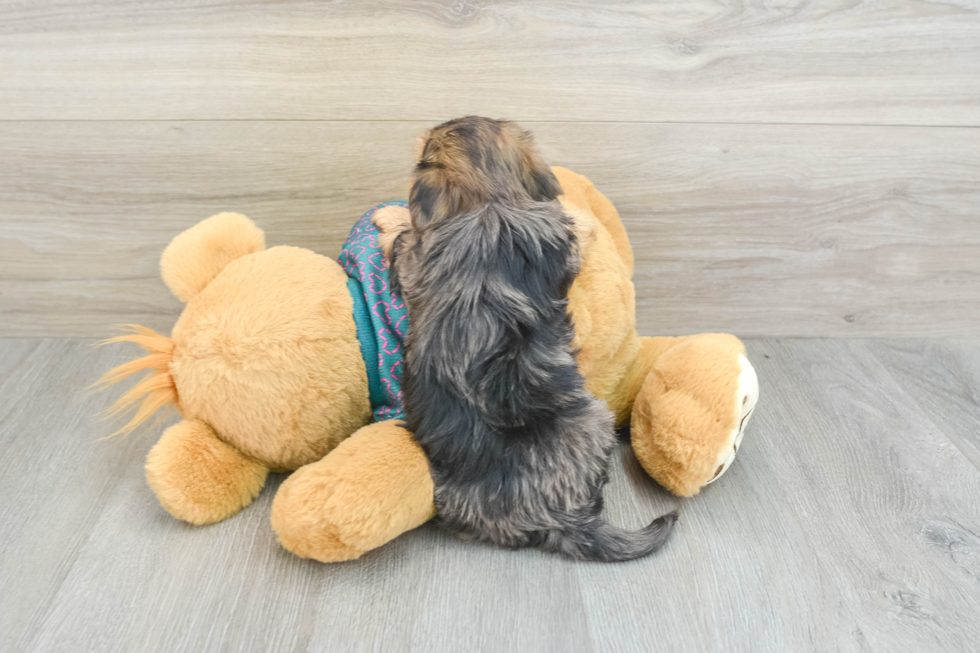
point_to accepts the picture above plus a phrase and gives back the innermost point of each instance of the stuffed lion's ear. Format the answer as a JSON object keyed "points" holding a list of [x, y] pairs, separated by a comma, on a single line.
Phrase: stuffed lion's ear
{"points": [[194, 258]]}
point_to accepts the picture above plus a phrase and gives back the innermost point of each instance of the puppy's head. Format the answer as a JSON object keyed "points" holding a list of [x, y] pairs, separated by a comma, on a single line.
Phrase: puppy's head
{"points": [[467, 162]]}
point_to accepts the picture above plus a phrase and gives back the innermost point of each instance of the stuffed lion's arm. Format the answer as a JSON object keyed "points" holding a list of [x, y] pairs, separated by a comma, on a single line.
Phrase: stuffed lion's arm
{"points": [[392, 221], [199, 478], [373, 487], [691, 408]]}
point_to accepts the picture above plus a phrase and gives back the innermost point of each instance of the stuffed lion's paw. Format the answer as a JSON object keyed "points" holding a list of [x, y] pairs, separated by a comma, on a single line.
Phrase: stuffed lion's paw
{"points": [[199, 478], [373, 487], [691, 413], [392, 220]]}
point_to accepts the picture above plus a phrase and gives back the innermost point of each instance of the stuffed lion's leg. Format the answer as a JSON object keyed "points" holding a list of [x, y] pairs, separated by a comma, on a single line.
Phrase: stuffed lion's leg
{"points": [[199, 478], [373, 487], [692, 409]]}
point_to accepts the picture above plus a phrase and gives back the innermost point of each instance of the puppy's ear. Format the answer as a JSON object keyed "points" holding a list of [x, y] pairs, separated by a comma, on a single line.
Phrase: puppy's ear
{"points": [[420, 144], [434, 197], [542, 185], [423, 201], [538, 179], [436, 190], [444, 183]]}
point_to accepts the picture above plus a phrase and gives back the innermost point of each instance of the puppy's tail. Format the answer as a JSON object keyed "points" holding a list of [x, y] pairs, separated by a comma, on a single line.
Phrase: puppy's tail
{"points": [[600, 541]]}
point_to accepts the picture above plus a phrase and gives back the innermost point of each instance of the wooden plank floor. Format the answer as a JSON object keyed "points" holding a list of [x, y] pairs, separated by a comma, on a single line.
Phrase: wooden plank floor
{"points": [[849, 522]]}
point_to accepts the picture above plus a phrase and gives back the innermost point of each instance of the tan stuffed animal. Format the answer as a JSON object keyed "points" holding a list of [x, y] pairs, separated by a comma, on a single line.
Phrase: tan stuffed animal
{"points": [[267, 370]]}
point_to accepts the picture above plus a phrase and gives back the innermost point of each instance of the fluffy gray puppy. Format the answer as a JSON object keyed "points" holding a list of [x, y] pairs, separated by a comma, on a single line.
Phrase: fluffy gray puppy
{"points": [[518, 447]]}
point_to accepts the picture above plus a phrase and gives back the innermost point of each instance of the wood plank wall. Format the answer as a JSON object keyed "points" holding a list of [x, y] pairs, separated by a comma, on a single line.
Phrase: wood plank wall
{"points": [[788, 169]]}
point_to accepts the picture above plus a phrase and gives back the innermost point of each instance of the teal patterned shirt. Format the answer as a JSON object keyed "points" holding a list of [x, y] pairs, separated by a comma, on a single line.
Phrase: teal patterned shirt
{"points": [[380, 315]]}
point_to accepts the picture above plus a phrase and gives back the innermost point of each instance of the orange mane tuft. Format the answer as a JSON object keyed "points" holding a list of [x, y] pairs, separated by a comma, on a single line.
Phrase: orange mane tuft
{"points": [[157, 389]]}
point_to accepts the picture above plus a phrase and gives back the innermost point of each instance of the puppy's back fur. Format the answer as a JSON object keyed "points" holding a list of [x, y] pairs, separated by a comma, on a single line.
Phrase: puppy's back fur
{"points": [[517, 446]]}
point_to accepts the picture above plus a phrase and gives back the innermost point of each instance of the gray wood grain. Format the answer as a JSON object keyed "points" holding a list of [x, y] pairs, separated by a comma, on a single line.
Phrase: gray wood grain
{"points": [[895, 62], [55, 478], [943, 380], [847, 523], [798, 230], [823, 536]]}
